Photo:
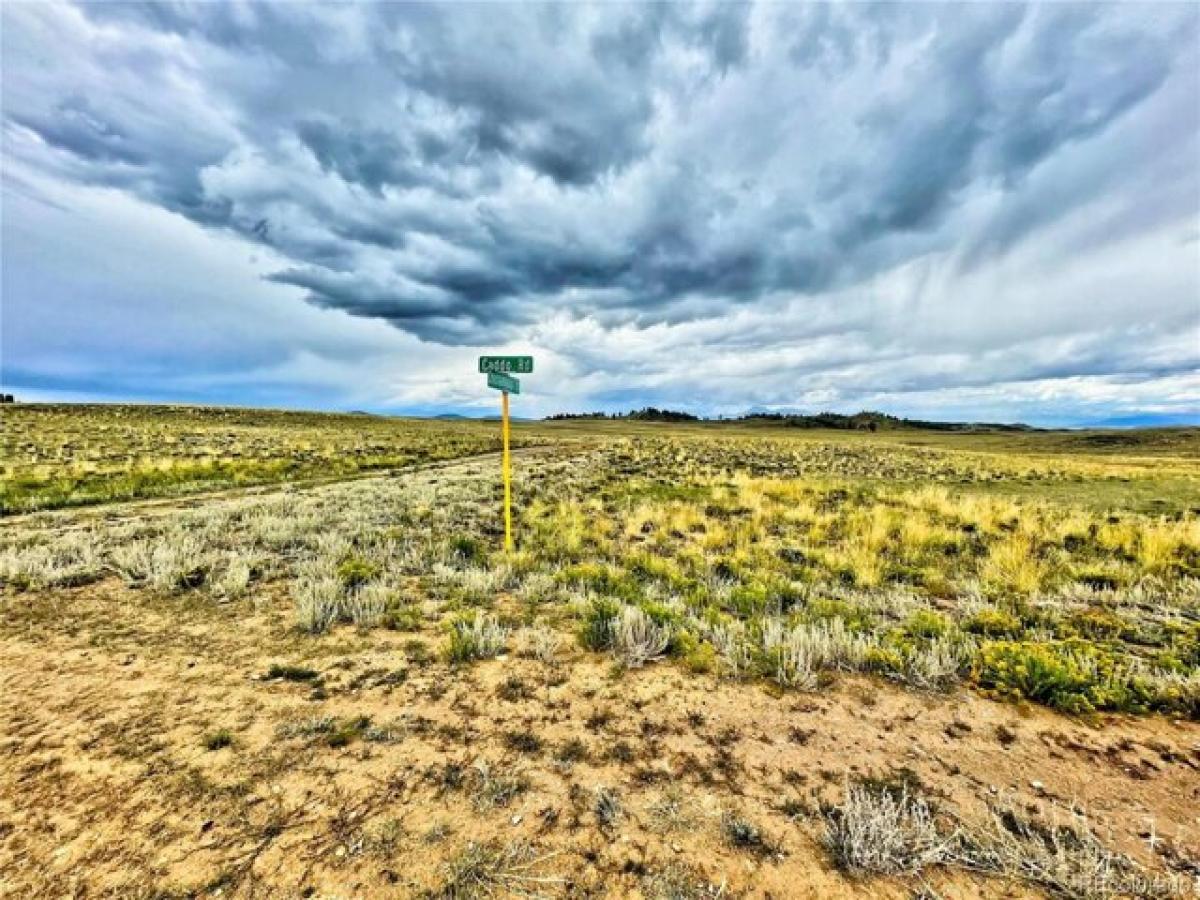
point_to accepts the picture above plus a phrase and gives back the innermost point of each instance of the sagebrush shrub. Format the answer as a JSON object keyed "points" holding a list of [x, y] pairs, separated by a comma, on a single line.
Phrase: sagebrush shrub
{"points": [[318, 601], [636, 639], [596, 630], [480, 637], [884, 831]]}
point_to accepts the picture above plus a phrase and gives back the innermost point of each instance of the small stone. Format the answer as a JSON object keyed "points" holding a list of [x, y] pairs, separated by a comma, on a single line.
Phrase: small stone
{"points": [[678, 848], [516, 820], [1038, 786]]}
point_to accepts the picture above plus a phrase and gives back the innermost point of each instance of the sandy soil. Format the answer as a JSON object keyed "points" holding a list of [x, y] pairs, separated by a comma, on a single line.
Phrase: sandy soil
{"points": [[112, 783], [106, 787]]}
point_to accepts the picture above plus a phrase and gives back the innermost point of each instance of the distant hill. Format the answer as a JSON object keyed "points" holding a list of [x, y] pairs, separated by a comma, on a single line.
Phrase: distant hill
{"points": [[874, 421], [648, 414], [860, 421]]}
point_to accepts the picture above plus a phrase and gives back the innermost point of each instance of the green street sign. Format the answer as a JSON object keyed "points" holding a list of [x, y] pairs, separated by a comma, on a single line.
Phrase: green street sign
{"points": [[513, 365], [502, 382]]}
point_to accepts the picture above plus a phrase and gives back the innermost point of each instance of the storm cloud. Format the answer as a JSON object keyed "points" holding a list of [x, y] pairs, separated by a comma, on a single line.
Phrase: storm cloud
{"points": [[831, 203]]}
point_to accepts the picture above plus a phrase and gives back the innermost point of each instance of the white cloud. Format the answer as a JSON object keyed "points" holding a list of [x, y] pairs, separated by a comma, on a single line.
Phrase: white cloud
{"points": [[984, 209]]}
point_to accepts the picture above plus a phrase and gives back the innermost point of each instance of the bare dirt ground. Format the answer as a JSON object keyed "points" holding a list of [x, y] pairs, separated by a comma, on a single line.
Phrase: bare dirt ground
{"points": [[145, 752]]}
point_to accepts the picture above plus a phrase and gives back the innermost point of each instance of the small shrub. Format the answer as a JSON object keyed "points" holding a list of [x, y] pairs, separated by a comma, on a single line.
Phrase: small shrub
{"points": [[881, 831], [480, 637], [701, 658], [883, 661], [70, 560], [925, 623], [1062, 854], [1099, 624], [478, 586], [365, 605], [402, 617], [994, 623], [513, 688], [217, 740], [234, 578], [787, 657], [318, 602], [417, 651], [748, 601], [278, 672], [735, 655], [596, 630], [540, 642], [607, 806], [1034, 671], [493, 870], [636, 640], [679, 881], [354, 571], [1073, 676], [132, 562], [175, 561], [307, 728], [795, 657], [348, 731], [670, 812], [741, 833], [571, 751], [491, 788], [622, 752], [468, 549], [525, 742], [937, 664], [853, 616]]}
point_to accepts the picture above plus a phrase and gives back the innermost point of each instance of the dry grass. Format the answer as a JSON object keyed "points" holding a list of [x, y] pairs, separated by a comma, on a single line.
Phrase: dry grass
{"points": [[882, 829], [513, 869], [886, 832], [702, 562]]}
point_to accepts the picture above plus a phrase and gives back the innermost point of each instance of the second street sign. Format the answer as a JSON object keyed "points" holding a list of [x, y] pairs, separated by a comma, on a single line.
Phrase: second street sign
{"points": [[502, 382], [514, 365]]}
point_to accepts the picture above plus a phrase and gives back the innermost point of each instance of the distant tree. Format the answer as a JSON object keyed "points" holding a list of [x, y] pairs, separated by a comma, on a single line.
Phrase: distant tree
{"points": [[653, 414]]}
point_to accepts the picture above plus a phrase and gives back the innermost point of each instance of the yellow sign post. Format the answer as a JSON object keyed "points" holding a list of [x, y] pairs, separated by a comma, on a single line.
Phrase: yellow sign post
{"points": [[507, 465], [497, 368]]}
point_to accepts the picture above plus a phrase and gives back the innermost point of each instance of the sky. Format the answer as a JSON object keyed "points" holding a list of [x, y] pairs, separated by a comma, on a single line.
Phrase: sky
{"points": [[985, 212]]}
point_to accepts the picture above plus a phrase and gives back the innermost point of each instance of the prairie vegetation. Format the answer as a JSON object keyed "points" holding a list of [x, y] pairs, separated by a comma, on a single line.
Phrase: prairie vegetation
{"points": [[55, 456], [913, 661]]}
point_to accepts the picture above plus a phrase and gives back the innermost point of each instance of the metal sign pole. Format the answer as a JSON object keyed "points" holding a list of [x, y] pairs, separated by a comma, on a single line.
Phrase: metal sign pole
{"points": [[507, 464], [498, 369]]}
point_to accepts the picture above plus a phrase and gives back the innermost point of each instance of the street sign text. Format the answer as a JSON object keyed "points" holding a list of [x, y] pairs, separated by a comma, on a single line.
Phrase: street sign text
{"points": [[502, 382], [512, 365]]}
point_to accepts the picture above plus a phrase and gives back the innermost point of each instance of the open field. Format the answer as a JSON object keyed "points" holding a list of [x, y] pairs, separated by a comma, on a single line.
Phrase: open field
{"points": [[56, 455], [723, 661]]}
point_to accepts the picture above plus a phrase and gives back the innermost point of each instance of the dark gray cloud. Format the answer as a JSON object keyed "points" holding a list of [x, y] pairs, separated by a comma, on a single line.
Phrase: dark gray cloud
{"points": [[470, 173]]}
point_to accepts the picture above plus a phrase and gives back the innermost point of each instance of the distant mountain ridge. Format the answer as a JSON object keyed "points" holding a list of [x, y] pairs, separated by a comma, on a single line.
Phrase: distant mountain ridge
{"points": [[861, 421], [877, 421]]}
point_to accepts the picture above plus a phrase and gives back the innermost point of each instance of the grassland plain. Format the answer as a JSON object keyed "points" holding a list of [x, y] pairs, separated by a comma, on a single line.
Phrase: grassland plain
{"points": [[59, 455], [723, 661]]}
